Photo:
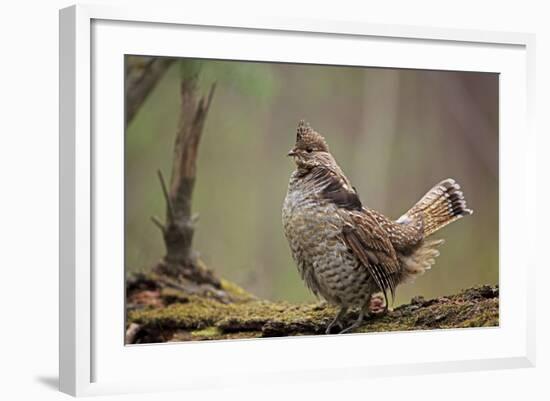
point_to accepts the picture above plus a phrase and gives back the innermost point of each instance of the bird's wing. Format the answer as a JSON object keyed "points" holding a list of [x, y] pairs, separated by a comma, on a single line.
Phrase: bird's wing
{"points": [[362, 233], [372, 246], [337, 189]]}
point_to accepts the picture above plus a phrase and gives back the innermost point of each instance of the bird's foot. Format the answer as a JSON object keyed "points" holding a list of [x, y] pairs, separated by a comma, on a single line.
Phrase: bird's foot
{"points": [[336, 321], [332, 325], [355, 324]]}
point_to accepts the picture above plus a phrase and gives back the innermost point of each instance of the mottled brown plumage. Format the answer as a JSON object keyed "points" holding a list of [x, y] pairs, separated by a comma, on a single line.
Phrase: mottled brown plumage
{"points": [[346, 252]]}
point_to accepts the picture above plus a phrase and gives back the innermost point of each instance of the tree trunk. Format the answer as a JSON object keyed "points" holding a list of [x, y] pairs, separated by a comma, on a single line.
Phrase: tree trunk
{"points": [[180, 261]]}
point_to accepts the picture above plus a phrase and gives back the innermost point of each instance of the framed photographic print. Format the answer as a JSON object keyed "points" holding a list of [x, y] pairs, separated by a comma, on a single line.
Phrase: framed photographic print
{"points": [[242, 191]]}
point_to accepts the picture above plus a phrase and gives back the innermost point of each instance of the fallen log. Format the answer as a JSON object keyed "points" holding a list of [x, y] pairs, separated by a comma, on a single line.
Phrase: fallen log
{"points": [[195, 318]]}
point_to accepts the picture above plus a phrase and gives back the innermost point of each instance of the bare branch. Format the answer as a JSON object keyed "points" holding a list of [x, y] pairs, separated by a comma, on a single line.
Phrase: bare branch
{"points": [[142, 75], [169, 205], [211, 95], [195, 218], [156, 221]]}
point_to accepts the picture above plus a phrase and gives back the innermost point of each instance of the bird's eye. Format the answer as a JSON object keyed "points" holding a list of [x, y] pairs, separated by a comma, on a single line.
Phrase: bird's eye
{"points": [[309, 150]]}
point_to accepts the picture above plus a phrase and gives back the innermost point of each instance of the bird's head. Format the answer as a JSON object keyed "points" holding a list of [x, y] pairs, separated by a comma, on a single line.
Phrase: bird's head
{"points": [[311, 149]]}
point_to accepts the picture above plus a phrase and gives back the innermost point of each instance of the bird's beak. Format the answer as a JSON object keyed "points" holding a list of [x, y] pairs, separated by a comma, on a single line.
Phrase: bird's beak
{"points": [[292, 152]]}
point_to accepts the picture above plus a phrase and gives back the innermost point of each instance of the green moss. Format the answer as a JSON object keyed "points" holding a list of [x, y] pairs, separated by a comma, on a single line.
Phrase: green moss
{"points": [[171, 295], [210, 332], [202, 318], [196, 313], [466, 309], [200, 312], [235, 291]]}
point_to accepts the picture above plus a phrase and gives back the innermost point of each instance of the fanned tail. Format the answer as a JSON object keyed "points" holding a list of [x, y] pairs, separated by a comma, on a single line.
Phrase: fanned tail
{"points": [[442, 205]]}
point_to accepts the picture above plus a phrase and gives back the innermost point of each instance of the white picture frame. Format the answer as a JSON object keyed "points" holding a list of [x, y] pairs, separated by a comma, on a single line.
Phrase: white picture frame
{"points": [[93, 358]]}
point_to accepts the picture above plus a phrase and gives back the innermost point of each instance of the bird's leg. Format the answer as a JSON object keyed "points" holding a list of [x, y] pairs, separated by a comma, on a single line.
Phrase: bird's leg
{"points": [[336, 320], [371, 305], [357, 323]]}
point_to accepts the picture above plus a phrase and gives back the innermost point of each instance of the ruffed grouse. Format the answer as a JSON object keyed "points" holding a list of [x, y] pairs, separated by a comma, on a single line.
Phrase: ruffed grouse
{"points": [[346, 252]]}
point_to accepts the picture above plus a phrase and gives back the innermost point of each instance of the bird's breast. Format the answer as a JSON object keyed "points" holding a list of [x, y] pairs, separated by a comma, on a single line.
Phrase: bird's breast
{"points": [[313, 227], [308, 220]]}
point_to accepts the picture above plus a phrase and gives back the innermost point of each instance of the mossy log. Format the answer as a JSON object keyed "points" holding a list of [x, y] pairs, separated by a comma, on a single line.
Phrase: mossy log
{"points": [[166, 314]]}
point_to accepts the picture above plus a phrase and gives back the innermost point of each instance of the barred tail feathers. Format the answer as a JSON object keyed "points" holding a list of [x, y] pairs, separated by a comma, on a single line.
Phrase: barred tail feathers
{"points": [[441, 205]]}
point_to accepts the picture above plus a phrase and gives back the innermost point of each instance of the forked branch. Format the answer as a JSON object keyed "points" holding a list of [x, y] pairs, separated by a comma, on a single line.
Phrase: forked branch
{"points": [[180, 260]]}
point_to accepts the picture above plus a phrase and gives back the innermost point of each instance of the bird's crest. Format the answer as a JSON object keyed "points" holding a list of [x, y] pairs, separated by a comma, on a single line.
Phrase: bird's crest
{"points": [[303, 130], [307, 137]]}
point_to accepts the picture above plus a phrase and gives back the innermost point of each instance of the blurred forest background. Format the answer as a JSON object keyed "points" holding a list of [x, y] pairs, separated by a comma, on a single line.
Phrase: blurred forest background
{"points": [[394, 132]]}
